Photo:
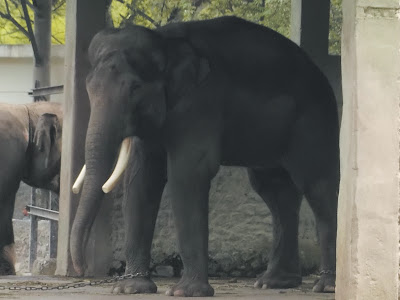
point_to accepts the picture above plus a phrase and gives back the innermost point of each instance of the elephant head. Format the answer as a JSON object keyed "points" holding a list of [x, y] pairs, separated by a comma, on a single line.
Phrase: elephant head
{"points": [[45, 154], [137, 76]]}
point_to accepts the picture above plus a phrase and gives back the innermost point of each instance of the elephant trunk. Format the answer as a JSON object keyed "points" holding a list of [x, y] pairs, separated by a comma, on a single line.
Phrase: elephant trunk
{"points": [[100, 152]]}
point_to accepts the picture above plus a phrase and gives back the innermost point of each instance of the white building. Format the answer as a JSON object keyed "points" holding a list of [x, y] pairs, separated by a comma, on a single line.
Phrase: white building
{"points": [[16, 63]]}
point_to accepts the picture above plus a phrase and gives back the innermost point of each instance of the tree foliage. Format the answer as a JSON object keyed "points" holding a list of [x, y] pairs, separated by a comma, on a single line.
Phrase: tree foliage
{"points": [[153, 13], [272, 13], [13, 29]]}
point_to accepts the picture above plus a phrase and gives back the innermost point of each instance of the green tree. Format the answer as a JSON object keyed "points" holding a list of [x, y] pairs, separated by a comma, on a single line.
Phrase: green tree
{"points": [[153, 13], [272, 13], [13, 28]]}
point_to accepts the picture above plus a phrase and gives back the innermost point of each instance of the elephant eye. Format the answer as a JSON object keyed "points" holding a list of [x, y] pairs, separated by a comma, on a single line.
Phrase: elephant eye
{"points": [[135, 86]]}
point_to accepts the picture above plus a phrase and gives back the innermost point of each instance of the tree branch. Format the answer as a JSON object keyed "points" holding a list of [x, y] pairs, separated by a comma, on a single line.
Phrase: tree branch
{"points": [[58, 6], [15, 2], [15, 22], [148, 18], [30, 32], [57, 40], [134, 10], [7, 7], [31, 6], [162, 8]]}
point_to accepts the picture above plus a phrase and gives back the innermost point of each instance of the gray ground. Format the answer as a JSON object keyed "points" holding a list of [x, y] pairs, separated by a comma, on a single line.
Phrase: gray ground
{"points": [[224, 289]]}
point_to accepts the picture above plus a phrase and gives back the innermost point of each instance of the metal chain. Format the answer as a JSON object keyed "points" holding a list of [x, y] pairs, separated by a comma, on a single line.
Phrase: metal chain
{"points": [[327, 272], [75, 284]]}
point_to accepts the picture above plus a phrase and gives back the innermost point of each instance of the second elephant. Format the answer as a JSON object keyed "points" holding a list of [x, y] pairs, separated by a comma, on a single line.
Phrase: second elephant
{"points": [[30, 151]]}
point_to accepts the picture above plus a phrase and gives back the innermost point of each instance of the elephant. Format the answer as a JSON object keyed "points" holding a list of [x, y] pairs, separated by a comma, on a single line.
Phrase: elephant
{"points": [[186, 98], [30, 139]]}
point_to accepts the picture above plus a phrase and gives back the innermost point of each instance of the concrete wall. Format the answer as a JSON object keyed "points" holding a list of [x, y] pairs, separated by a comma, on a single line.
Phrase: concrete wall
{"points": [[368, 216], [22, 234], [240, 230], [16, 72]]}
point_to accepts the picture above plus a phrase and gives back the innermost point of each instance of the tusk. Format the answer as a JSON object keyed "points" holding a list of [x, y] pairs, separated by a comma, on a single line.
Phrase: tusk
{"points": [[79, 181], [120, 167]]}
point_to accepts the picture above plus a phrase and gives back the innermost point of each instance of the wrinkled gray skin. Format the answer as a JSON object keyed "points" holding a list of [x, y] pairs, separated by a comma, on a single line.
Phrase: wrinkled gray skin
{"points": [[195, 96], [30, 151]]}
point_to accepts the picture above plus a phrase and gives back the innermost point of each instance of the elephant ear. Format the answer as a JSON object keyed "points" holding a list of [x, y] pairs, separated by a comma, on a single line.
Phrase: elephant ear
{"points": [[186, 68], [45, 135]]}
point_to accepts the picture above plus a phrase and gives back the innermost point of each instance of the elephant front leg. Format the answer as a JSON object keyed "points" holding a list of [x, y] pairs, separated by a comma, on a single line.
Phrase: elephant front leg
{"points": [[7, 254], [7, 251], [7, 260], [188, 186], [143, 186]]}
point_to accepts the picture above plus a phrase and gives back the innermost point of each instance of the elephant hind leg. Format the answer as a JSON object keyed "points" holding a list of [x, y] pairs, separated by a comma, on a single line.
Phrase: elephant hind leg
{"points": [[322, 197], [312, 160], [278, 191]]}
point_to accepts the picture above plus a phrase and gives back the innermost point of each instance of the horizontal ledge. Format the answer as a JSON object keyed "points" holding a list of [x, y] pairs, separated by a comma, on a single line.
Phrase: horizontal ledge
{"points": [[48, 90], [391, 4], [25, 51], [42, 212]]}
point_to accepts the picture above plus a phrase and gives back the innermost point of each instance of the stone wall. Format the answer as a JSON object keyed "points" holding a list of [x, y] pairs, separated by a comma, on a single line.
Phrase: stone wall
{"points": [[22, 234], [21, 225], [240, 230]]}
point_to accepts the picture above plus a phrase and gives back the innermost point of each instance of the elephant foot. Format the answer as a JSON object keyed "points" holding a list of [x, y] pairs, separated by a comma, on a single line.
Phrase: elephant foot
{"points": [[278, 280], [139, 285], [326, 283], [191, 288]]}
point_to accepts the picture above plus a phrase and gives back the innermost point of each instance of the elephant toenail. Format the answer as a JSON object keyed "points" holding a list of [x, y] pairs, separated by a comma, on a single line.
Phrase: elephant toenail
{"points": [[179, 293], [130, 290], [317, 289], [329, 289]]}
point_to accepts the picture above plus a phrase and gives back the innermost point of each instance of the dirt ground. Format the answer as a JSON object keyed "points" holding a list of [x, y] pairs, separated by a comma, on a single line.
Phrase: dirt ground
{"points": [[227, 289]]}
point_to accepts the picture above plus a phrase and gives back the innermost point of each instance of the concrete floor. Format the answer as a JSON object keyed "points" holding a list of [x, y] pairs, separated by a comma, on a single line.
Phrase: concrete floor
{"points": [[226, 289]]}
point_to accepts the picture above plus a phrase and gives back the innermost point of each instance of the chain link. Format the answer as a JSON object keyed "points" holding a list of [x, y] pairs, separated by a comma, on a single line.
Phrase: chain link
{"points": [[327, 272], [75, 285]]}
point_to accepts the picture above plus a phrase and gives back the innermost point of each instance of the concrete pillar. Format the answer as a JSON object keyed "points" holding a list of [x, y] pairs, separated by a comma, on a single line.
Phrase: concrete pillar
{"points": [[84, 19], [368, 217], [310, 30]]}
